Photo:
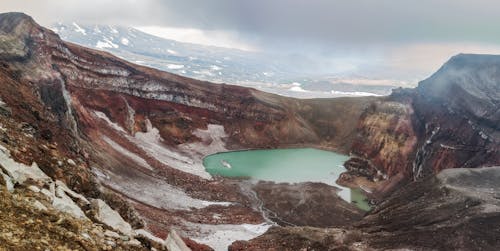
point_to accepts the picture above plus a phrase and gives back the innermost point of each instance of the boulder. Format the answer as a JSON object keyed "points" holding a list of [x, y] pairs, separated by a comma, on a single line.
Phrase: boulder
{"points": [[61, 188], [39, 206], [19, 172], [110, 217], [111, 234], [7, 181], [148, 235], [175, 243], [65, 204]]}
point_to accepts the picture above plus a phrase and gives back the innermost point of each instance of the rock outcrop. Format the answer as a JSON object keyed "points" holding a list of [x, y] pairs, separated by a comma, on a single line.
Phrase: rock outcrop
{"points": [[449, 121], [108, 216]]}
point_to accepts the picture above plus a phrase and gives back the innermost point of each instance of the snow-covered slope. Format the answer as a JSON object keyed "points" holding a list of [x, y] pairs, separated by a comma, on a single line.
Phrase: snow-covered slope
{"points": [[272, 73], [198, 61]]}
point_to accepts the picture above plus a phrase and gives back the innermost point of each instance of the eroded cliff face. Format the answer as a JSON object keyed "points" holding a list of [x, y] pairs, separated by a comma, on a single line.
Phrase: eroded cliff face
{"points": [[458, 110], [386, 136], [449, 121]]}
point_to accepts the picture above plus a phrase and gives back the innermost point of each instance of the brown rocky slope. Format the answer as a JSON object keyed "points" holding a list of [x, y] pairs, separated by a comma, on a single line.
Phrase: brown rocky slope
{"points": [[139, 134], [455, 210]]}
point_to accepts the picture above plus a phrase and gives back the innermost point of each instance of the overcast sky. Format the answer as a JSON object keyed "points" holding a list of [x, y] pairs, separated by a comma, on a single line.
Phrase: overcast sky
{"points": [[393, 38]]}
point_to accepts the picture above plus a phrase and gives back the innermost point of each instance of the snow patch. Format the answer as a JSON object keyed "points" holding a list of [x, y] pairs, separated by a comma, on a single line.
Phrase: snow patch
{"points": [[219, 237], [354, 93], [204, 72], [103, 116], [151, 142], [153, 191], [172, 52], [136, 158], [125, 41], [211, 142], [216, 203], [96, 29], [214, 135], [106, 44], [79, 29], [215, 67], [187, 158], [296, 87], [112, 29], [175, 66]]}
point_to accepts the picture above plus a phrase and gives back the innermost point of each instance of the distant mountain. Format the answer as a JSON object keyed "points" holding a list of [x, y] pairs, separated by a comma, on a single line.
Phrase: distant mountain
{"points": [[202, 62], [271, 73]]}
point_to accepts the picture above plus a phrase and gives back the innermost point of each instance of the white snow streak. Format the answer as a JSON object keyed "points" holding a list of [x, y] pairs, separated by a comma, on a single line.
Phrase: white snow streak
{"points": [[219, 237], [136, 158], [175, 66], [79, 29]]}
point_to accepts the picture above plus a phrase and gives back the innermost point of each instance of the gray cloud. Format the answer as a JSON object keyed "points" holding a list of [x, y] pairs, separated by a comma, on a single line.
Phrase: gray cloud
{"points": [[355, 21], [360, 32]]}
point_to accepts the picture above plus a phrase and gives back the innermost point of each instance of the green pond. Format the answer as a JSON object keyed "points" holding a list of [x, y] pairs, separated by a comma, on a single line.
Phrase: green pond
{"points": [[285, 165]]}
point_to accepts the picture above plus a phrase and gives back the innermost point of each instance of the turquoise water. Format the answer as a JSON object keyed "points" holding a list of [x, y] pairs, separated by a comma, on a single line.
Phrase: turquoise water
{"points": [[285, 165]]}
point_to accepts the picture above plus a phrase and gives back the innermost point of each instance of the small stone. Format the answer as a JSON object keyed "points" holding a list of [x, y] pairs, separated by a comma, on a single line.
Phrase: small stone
{"points": [[134, 242], [97, 232], [111, 234], [8, 181], [39, 206], [47, 193], [86, 236], [60, 192], [111, 243], [124, 237], [35, 189], [7, 235], [71, 162]]}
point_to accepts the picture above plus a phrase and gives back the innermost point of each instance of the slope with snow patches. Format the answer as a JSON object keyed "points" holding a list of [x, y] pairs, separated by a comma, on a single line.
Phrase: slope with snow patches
{"points": [[259, 70]]}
